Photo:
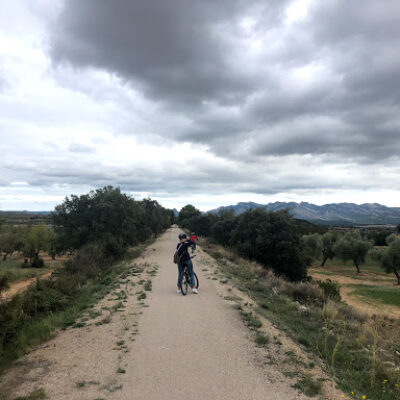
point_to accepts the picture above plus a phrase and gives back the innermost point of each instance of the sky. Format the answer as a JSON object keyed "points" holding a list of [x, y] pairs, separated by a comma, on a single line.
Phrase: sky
{"points": [[207, 102]]}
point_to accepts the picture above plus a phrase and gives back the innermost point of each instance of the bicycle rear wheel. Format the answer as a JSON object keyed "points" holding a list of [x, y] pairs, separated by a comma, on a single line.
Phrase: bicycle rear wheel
{"points": [[184, 284]]}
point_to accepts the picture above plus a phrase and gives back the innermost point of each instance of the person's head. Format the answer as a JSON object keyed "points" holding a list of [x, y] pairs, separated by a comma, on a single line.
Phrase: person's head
{"points": [[192, 234], [182, 237]]}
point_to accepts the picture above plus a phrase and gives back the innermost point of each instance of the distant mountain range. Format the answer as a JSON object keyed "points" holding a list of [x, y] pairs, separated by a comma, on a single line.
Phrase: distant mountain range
{"points": [[329, 214]]}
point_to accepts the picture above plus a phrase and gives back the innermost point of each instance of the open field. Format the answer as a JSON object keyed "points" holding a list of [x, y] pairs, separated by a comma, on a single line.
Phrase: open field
{"points": [[372, 291], [20, 277]]}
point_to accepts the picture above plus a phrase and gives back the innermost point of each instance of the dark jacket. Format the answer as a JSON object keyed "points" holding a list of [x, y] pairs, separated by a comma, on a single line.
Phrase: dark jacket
{"points": [[183, 250]]}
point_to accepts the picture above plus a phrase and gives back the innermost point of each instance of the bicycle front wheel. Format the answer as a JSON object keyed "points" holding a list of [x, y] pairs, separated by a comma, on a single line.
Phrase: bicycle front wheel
{"points": [[196, 280], [184, 284]]}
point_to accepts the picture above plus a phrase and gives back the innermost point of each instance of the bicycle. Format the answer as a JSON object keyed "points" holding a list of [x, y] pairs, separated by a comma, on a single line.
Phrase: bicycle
{"points": [[185, 282]]}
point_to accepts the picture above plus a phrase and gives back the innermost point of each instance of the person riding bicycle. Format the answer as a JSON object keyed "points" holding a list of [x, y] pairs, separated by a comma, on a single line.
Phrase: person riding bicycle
{"points": [[182, 249], [193, 237]]}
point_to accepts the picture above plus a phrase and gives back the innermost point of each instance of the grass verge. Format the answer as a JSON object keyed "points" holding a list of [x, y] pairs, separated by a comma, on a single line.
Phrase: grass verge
{"points": [[360, 353]]}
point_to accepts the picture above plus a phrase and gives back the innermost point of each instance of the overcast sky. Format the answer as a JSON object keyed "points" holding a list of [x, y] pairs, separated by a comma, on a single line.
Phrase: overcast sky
{"points": [[204, 101]]}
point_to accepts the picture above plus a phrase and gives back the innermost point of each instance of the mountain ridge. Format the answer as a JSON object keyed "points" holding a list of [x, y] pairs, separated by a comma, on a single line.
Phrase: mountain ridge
{"points": [[327, 214]]}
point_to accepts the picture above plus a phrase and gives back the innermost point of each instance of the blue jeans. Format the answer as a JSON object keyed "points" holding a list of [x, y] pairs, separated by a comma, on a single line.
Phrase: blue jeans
{"points": [[190, 270]]}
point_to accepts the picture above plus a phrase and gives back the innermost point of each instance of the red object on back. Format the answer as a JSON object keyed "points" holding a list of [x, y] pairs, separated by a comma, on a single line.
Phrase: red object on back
{"points": [[193, 238]]}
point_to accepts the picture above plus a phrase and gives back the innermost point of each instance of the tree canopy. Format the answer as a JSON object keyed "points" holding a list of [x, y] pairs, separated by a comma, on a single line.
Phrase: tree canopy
{"points": [[390, 261], [353, 247], [109, 217]]}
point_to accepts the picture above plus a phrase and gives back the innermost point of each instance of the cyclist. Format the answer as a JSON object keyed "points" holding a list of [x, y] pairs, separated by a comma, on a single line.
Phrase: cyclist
{"points": [[193, 237], [182, 248]]}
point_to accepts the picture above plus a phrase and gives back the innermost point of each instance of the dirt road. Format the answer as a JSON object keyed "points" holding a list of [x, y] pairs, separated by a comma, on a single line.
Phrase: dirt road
{"points": [[22, 285], [193, 347]]}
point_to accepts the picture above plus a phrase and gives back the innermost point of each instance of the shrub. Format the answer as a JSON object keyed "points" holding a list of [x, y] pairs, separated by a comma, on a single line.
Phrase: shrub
{"points": [[331, 290], [261, 339], [88, 261], [302, 292]]}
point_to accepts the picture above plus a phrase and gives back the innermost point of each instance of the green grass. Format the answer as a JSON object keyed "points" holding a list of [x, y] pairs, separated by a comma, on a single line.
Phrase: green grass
{"points": [[385, 295]]}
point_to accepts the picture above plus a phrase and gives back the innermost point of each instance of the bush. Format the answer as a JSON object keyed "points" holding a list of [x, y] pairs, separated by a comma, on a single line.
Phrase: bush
{"points": [[303, 292], [331, 290], [43, 298], [88, 261]]}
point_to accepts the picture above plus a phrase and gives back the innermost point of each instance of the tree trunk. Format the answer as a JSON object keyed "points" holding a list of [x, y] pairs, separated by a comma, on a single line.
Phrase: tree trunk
{"points": [[358, 269], [53, 257], [324, 261], [5, 257], [397, 276]]}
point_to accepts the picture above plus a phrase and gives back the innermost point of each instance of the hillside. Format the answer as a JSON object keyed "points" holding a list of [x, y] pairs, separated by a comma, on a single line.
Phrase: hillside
{"points": [[336, 213]]}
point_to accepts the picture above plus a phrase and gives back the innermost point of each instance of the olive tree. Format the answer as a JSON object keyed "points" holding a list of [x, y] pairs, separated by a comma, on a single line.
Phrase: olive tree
{"points": [[36, 239], [391, 238], [312, 247], [8, 242], [391, 259], [352, 247], [328, 243]]}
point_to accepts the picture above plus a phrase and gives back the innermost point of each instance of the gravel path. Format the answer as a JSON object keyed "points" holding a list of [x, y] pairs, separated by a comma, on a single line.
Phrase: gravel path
{"points": [[193, 347]]}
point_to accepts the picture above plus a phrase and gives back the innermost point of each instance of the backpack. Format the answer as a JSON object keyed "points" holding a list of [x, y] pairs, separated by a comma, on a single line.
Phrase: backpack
{"points": [[177, 257]]}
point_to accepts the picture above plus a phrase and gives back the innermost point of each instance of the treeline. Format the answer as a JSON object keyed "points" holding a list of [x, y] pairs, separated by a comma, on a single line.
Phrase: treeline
{"points": [[273, 239], [353, 246], [96, 229], [110, 219], [289, 246], [28, 241]]}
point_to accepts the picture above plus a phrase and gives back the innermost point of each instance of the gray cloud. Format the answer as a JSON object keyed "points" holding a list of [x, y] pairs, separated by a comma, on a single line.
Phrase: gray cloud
{"points": [[101, 92], [194, 59], [80, 148]]}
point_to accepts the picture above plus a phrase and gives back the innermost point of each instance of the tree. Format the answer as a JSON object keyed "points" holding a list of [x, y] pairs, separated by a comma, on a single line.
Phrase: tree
{"points": [[352, 247], [8, 242], [272, 239], [222, 230], [200, 224], [157, 217], [187, 212], [377, 253], [36, 239], [391, 260], [328, 243], [391, 238], [312, 247], [108, 217]]}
